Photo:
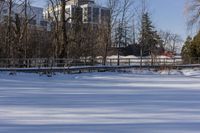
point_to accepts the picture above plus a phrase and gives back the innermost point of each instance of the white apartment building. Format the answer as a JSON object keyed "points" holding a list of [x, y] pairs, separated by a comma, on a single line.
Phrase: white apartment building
{"points": [[90, 11]]}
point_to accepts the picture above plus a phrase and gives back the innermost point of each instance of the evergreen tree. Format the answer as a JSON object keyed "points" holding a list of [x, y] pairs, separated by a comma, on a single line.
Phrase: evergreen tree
{"points": [[195, 46], [147, 34], [149, 40], [191, 49], [186, 50]]}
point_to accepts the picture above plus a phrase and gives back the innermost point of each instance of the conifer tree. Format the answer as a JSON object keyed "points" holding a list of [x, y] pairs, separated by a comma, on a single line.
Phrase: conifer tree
{"points": [[195, 46], [191, 49], [149, 40], [186, 51]]}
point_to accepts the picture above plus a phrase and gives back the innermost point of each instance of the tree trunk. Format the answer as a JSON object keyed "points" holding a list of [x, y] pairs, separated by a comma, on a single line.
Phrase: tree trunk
{"points": [[64, 52], [141, 57]]}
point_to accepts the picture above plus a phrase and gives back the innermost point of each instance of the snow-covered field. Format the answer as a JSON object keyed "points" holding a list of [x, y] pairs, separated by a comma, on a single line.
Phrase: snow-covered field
{"points": [[137, 102]]}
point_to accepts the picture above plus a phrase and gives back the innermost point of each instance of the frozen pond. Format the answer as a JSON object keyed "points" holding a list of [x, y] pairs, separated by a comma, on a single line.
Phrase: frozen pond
{"points": [[100, 103]]}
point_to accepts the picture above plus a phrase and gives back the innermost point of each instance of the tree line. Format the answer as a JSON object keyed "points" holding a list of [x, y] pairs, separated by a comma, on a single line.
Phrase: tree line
{"points": [[126, 27]]}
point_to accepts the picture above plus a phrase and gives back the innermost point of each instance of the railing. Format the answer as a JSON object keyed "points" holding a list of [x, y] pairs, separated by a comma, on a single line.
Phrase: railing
{"points": [[60, 63]]}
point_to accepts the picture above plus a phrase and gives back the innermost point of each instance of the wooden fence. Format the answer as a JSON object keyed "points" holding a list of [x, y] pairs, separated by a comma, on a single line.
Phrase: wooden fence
{"points": [[45, 64]]}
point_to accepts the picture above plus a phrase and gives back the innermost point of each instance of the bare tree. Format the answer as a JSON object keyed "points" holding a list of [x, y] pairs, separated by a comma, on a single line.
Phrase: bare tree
{"points": [[9, 37], [115, 10], [53, 18], [111, 19], [1, 8], [193, 13], [166, 37], [120, 21], [22, 26], [171, 42], [1, 29], [125, 17], [17, 24], [176, 43], [64, 49], [57, 13]]}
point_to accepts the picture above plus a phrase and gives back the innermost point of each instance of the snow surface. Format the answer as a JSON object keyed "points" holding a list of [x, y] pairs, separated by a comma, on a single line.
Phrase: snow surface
{"points": [[135, 102]]}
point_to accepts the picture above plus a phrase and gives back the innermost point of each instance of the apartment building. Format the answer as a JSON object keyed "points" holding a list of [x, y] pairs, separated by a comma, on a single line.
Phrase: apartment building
{"points": [[90, 11], [35, 14]]}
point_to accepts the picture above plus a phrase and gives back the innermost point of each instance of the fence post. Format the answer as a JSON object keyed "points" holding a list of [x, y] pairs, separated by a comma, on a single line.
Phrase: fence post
{"points": [[164, 63], [174, 61], [190, 61], [198, 60], [26, 63], [39, 63], [85, 61]]}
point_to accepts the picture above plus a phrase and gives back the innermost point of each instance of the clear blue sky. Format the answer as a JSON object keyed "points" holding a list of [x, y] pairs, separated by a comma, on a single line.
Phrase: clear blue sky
{"points": [[167, 15]]}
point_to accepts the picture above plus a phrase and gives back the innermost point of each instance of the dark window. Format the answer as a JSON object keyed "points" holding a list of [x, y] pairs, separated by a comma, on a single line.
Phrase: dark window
{"points": [[43, 23], [5, 11], [89, 14], [32, 22], [77, 14], [73, 11], [67, 12], [105, 15], [96, 15]]}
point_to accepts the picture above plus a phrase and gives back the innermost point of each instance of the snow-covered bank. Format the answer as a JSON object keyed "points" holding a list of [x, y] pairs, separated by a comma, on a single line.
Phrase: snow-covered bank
{"points": [[184, 72], [151, 102]]}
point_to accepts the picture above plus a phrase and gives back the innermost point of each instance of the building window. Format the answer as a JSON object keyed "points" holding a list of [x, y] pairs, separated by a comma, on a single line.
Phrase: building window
{"points": [[96, 15], [73, 13], [5, 11], [32, 22], [68, 11], [105, 15], [43, 23], [77, 14], [89, 14]]}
